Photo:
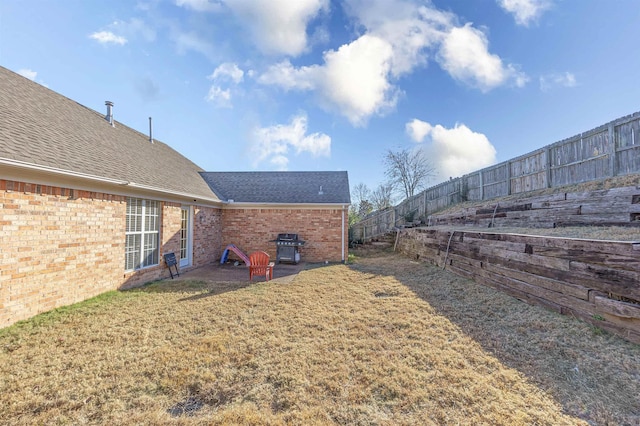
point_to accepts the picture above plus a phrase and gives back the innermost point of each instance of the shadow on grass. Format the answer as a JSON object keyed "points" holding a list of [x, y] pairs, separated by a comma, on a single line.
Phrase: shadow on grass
{"points": [[592, 373], [197, 288]]}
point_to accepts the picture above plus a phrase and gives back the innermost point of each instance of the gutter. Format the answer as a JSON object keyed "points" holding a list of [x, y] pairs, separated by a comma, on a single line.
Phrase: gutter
{"points": [[244, 204], [342, 229], [31, 166], [166, 191], [86, 176]]}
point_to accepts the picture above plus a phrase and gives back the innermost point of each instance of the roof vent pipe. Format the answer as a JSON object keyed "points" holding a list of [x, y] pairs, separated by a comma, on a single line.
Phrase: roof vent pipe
{"points": [[109, 116], [150, 131]]}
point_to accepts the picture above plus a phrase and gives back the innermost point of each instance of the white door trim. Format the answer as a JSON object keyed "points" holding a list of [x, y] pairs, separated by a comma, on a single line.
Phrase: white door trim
{"points": [[188, 259]]}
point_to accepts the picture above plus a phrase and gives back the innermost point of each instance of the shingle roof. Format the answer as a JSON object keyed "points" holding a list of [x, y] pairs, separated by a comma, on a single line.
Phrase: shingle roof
{"points": [[280, 187], [41, 127]]}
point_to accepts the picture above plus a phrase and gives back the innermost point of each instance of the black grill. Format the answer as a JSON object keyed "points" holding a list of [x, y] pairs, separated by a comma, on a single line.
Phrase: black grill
{"points": [[287, 248]]}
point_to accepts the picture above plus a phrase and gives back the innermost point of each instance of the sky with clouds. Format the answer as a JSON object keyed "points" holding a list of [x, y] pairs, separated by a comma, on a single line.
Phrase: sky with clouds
{"points": [[239, 85]]}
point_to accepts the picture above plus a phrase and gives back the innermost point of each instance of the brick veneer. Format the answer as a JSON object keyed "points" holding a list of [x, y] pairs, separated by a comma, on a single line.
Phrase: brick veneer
{"points": [[61, 246], [253, 229]]}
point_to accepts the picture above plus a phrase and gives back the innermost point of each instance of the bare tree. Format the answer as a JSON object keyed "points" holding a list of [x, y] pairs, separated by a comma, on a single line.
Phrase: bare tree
{"points": [[360, 192], [382, 197], [408, 171], [361, 205]]}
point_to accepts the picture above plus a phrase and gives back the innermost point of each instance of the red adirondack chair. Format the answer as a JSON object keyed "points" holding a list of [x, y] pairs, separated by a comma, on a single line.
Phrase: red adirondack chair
{"points": [[260, 265]]}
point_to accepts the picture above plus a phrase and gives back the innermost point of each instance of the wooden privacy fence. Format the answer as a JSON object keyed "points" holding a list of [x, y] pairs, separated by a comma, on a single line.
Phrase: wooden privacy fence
{"points": [[597, 281], [606, 151]]}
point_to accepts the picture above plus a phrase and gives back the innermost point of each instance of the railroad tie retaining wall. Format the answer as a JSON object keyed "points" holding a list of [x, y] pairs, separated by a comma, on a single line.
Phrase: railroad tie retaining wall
{"points": [[596, 281]]}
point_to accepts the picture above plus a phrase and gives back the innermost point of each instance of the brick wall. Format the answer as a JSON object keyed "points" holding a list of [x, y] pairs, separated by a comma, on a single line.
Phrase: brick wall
{"points": [[60, 246], [207, 235], [253, 229]]}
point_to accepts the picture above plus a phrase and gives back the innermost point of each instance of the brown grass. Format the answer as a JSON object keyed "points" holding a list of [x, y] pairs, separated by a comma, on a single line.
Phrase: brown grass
{"points": [[383, 341]]}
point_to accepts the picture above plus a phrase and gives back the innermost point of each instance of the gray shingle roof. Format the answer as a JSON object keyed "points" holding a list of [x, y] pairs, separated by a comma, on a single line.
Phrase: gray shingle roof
{"points": [[41, 127], [280, 187]]}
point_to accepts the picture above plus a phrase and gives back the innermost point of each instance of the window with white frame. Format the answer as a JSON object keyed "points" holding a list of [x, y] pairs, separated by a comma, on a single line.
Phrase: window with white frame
{"points": [[142, 234]]}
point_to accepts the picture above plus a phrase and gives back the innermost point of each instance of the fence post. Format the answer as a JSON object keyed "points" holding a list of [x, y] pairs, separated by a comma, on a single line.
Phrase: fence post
{"points": [[612, 150], [424, 204], [508, 177], [547, 160], [481, 179]]}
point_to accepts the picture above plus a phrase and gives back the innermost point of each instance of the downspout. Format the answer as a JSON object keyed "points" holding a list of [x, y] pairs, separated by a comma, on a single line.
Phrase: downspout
{"points": [[342, 245]]}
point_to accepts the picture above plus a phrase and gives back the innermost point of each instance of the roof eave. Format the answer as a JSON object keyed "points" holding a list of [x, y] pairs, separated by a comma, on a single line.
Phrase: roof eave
{"points": [[244, 205], [123, 184]]}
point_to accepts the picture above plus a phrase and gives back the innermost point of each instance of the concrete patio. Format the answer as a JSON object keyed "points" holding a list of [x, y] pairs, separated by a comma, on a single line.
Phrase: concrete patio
{"points": [[227, 272]]}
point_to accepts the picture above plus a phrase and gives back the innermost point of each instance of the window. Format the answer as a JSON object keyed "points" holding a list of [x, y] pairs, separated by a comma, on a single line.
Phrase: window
{"points": [[143, 233]]}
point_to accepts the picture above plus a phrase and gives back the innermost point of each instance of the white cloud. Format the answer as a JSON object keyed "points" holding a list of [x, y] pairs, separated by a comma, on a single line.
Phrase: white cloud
{"points": [[107, 37], [227, 71], [30, 74], [120, 32], [353, 79], [273, 143], [186, 41], [464, 54], [279, 162], [525, 11], [454, 152], [409, 29], [200, 5], [286, 76], [278, 26], [550, 81], [417, 129], [219, 96], [133, 28], [357, 80]]}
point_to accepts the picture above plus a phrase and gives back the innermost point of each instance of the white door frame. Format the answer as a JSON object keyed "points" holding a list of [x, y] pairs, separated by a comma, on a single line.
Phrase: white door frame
{"points": [[187, 260]]}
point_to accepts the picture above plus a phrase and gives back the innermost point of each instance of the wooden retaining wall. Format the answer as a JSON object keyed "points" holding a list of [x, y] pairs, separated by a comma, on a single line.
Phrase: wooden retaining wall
{"points": [[607, 207], [596, 281]]}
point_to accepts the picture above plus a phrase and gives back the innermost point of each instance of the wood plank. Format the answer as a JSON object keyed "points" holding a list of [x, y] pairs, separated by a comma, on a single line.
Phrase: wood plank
{"points": [[631, 263], [585, 278], [510, 290], [582, 310], [539, 292], [573, 290], [546, 261], [505, 245], [617, 307], [626, 283], [503, 208]]}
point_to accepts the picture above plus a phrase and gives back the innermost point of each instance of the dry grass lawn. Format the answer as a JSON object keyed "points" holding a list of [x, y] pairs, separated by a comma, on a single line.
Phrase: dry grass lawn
{"points": [[383, 341]]}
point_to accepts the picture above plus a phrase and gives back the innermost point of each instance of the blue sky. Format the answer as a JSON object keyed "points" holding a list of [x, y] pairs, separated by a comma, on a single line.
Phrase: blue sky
{"points": [[239, 85]]}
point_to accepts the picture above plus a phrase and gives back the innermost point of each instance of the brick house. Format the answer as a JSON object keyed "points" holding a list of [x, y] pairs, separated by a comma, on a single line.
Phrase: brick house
{"points": [[90, 205]]}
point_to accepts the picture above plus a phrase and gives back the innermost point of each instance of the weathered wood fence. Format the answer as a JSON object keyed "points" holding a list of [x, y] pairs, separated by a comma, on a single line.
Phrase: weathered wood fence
{"points": [[597, 281], [606, 151]]}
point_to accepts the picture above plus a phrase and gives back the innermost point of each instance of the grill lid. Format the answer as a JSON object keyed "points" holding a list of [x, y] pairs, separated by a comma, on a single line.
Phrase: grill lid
{"points": [[287, 237], [288, 240]]}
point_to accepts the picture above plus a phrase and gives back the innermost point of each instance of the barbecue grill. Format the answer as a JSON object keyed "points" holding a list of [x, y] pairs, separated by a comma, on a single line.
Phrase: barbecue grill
{"points": [[287, 248]]}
